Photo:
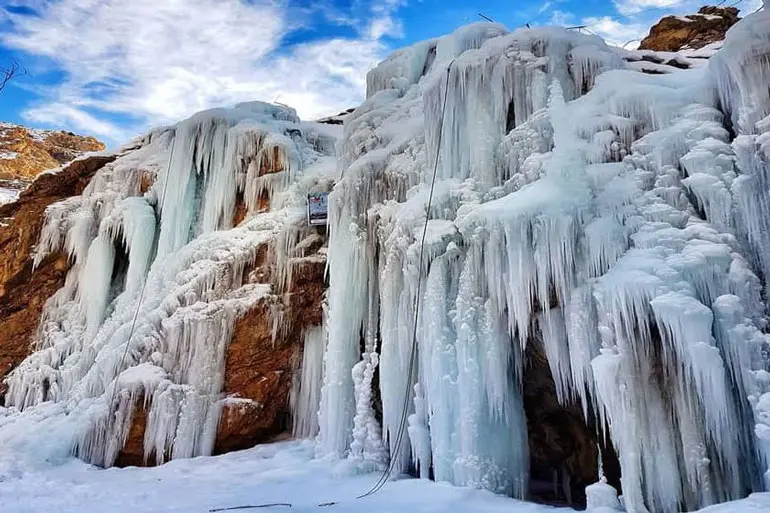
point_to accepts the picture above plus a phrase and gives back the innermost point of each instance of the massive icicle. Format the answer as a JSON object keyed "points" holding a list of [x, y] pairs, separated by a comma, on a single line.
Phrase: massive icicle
{"points": [[169, 254], [609, 214]]}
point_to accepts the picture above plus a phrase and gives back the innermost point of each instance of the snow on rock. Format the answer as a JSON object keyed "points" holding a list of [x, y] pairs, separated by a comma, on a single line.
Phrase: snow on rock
{"points": [[673, 33], [8, 195], [616, 215], [25, 152], [158, 277]]}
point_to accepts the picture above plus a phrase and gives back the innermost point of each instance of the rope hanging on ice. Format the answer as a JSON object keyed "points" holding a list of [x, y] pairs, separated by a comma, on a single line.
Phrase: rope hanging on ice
{"points": [[402, 425], [256, 506], [144, 287]]}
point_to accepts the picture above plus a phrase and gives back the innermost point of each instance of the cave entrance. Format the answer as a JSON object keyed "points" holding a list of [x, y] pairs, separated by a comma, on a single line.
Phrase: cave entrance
{"points": [[119, 269], [563, 446]]}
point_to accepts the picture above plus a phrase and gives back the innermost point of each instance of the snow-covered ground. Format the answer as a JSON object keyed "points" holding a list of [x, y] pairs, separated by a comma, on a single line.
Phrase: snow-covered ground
{"points": [[7, 195], [279, 473]]}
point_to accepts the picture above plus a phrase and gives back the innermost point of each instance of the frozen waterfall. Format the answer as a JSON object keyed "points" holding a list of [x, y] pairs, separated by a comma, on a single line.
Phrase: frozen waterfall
{"points": [[614, 221], [159, 276], [615, 218]]}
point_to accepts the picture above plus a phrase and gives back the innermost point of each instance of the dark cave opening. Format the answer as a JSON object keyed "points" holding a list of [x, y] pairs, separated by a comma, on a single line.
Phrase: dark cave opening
{"points": [[564, 446]]}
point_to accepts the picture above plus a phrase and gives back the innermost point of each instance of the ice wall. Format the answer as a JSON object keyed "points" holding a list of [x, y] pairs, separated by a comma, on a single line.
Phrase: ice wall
{"points": [[613, 216], [159, 276]]}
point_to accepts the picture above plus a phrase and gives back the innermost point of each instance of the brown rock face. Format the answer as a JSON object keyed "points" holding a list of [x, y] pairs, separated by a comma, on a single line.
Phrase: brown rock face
{"points": [[674, 33], [259, 371], [132, 454], [22, 292], [24, 152], [259, 368], [259, 375]]}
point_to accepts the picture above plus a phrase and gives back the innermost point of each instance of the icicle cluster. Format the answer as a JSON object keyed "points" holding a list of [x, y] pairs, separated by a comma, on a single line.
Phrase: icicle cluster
{"points": [[608, 214], [159, 277]]}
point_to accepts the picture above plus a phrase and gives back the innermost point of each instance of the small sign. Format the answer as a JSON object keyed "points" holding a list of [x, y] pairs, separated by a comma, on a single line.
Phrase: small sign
{"points": [[317, 208]]}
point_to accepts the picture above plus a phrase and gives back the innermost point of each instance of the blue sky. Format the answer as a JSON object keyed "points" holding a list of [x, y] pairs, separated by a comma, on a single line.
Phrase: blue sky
{"points": [[114, 68]]}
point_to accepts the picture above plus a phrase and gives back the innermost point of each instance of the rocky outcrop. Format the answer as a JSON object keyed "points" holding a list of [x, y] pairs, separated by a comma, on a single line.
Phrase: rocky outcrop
{"points": [[674, 33], [261, 360], [25, 152], [259, 370], [22, 291]]}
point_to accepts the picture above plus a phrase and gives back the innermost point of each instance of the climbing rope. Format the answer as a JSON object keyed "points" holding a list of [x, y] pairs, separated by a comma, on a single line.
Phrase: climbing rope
{"points": [[144, 284], [257, 506], [413, 353]]}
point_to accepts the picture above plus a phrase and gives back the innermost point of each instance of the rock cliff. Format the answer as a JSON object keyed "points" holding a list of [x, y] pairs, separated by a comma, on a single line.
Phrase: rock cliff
{"points": [[25, 152], [694, 31], [23, 292]]}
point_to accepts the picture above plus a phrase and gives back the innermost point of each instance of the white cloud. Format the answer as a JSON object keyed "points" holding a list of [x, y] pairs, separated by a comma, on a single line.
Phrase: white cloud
{"points": [[544, 7], [161, 60], [59, 114], [561, 18], [637, 6], [616, 32]]}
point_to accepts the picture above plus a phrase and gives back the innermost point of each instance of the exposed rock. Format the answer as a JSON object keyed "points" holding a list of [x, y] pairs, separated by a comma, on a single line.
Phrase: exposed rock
{"points": [[25, 152], [132, 454], [22, 292], [674, 33], [338, 119], [259, 368], [259, 375]]}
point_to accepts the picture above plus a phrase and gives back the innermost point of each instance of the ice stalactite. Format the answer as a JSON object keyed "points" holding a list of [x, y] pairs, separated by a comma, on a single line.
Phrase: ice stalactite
{"points": [[367, 443], [602, 212], [307, 394], [159, 277]]}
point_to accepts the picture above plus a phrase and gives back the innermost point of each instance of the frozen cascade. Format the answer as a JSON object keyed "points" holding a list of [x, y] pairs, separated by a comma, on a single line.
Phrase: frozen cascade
{"points": [[615, 220], [306, 396], [609, 215], [181, 259]]}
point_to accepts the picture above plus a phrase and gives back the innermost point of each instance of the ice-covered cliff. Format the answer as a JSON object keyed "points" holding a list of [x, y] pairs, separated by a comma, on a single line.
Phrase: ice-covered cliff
{"points": [[596, 231], [615, 218], [159, 274]]}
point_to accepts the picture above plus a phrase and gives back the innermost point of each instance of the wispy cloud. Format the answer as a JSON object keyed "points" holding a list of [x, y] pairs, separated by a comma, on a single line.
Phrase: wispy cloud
{"points": [[158, 61], [561, 18], [637, 6], [617, 32]]}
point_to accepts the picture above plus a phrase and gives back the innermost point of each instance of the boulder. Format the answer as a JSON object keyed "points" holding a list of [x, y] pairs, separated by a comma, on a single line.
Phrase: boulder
{"points": [[694, 31]]}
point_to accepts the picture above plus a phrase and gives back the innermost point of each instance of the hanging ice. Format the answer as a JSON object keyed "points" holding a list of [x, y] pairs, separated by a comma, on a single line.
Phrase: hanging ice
{"points": [[604, 213], [159, 279], [616, 220]]}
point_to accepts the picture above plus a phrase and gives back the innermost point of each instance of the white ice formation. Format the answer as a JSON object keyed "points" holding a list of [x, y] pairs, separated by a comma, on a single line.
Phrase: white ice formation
{"points": [[173, 250], [619, 218]]}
